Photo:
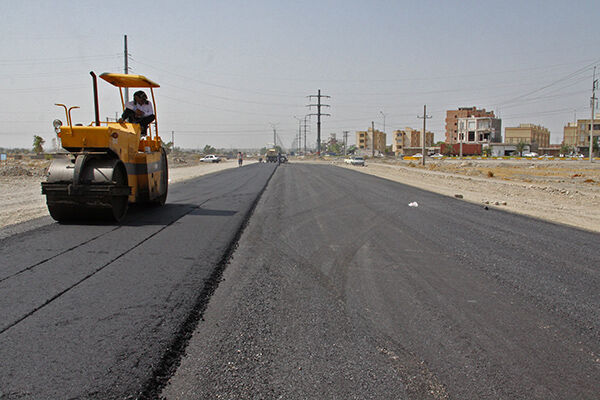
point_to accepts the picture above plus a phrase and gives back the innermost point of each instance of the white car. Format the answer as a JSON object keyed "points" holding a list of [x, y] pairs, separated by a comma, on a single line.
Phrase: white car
{"points": [[355, 160], [211, 158], [532, 154], [437, 155]]}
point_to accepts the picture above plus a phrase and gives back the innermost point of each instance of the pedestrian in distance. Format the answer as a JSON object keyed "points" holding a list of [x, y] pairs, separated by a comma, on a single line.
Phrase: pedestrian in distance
{"points": [[240, 159]]}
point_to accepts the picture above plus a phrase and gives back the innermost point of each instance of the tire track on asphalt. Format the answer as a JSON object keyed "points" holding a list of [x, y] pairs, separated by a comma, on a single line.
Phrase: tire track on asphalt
{"points": [[88, 276], [57, 255]]}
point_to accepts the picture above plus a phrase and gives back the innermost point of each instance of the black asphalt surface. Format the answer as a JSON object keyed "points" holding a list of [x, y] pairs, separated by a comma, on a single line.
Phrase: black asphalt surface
{"points": [[339, 290], [103, 311]]}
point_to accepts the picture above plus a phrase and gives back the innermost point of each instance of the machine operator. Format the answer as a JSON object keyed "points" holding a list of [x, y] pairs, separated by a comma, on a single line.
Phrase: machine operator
{"points": [[139, 111]]}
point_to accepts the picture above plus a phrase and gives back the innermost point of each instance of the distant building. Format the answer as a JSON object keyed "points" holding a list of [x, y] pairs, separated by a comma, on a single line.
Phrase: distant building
{"points": [[409, 138], [534, 135], [571, 137], [579, 134], [479, 130], [364, 141], [452, 117]]}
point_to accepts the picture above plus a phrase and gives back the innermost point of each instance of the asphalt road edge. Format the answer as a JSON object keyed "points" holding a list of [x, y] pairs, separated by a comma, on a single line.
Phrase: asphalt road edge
{"points": [[171, 360]]}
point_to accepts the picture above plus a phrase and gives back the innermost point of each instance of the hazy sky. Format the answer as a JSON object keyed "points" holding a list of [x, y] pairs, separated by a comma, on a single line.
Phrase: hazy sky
{"points": [[230, 70]]}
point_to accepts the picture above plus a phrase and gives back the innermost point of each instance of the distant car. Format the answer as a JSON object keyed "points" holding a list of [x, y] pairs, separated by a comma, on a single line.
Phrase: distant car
{"points": [[437, 155], [211, 158], [531, 154], [418, 155], [355, 160]]}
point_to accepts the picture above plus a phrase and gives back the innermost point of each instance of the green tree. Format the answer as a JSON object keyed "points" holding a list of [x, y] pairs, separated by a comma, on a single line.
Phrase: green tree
{"points": [[38, 143], [520, 148], [334, 148], [487, 151], [565, 149], [208, 149]]}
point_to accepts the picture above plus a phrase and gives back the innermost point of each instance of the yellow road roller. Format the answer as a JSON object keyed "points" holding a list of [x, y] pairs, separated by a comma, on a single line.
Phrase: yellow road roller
{"points": [[108, 164]]}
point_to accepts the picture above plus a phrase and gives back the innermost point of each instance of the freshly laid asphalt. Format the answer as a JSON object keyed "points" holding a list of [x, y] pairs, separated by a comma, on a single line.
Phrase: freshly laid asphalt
{"points": [[101, 311], [340, 290], [333, 288]]}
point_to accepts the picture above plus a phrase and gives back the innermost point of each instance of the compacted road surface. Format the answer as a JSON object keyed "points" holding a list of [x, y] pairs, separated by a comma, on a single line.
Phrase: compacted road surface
{"points": [[101, 311], [340, 289], [301, 282]]}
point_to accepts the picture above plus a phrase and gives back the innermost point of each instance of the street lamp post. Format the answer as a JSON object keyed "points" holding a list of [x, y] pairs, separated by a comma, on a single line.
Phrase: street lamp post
{"points": [[381, 112]]}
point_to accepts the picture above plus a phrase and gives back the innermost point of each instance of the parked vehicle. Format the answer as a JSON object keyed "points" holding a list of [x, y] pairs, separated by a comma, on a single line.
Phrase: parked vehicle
{"points": [[531, 154], [355, 160], [211, 158]]}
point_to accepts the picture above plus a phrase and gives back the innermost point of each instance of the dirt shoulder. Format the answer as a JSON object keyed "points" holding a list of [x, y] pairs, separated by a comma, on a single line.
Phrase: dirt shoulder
{"points": [[565, 192]]}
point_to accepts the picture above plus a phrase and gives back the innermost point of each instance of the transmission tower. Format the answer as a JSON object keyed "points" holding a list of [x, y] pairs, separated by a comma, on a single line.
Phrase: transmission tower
{"points": [[318, 114]]}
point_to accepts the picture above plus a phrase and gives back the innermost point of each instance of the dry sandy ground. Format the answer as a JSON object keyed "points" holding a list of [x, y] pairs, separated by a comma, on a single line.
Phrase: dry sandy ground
{"points": [[566, 192]]}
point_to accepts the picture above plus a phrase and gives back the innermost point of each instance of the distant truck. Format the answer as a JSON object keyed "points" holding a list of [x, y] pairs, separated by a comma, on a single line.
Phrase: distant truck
{"points": [[271, 155]]}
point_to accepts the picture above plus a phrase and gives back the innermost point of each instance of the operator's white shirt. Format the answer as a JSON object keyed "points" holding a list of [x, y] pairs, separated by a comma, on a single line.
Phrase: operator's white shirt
{"points": [[147, 108]]}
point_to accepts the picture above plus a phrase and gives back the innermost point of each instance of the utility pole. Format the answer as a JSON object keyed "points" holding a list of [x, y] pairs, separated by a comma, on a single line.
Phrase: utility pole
{"points": [[299, 132], [425, 117], [173, 140], [345, 140], [318, 114], [274, 126], [305, 127], [126, 69], [373, 139], [594, 84]]}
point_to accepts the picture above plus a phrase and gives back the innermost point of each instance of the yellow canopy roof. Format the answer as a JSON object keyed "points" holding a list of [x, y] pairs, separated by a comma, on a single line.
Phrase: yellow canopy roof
{"points": [[128, 80]]}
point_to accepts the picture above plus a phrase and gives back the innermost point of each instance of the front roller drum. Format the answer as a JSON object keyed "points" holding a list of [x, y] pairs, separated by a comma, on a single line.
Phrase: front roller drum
{"points": [[101, 192]]}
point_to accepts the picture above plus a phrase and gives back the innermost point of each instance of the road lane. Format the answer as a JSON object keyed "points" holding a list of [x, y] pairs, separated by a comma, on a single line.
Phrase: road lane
{"points": [[339, 289], [91, 311]]}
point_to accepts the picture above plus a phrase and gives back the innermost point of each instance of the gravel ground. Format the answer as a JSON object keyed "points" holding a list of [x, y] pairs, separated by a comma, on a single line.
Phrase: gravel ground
{"points": [[565, 192]]}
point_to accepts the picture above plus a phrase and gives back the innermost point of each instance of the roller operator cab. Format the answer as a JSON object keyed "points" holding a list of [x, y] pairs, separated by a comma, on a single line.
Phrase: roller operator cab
{"points": [[108, 165]]}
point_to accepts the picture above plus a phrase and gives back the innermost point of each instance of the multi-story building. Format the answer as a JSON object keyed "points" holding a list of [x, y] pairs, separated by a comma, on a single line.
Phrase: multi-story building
{"points": [[366, 140], [400, 142], [534, 135], [583, 129], [479, 130], [452, 117], [408, 137], [570, 136]]}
